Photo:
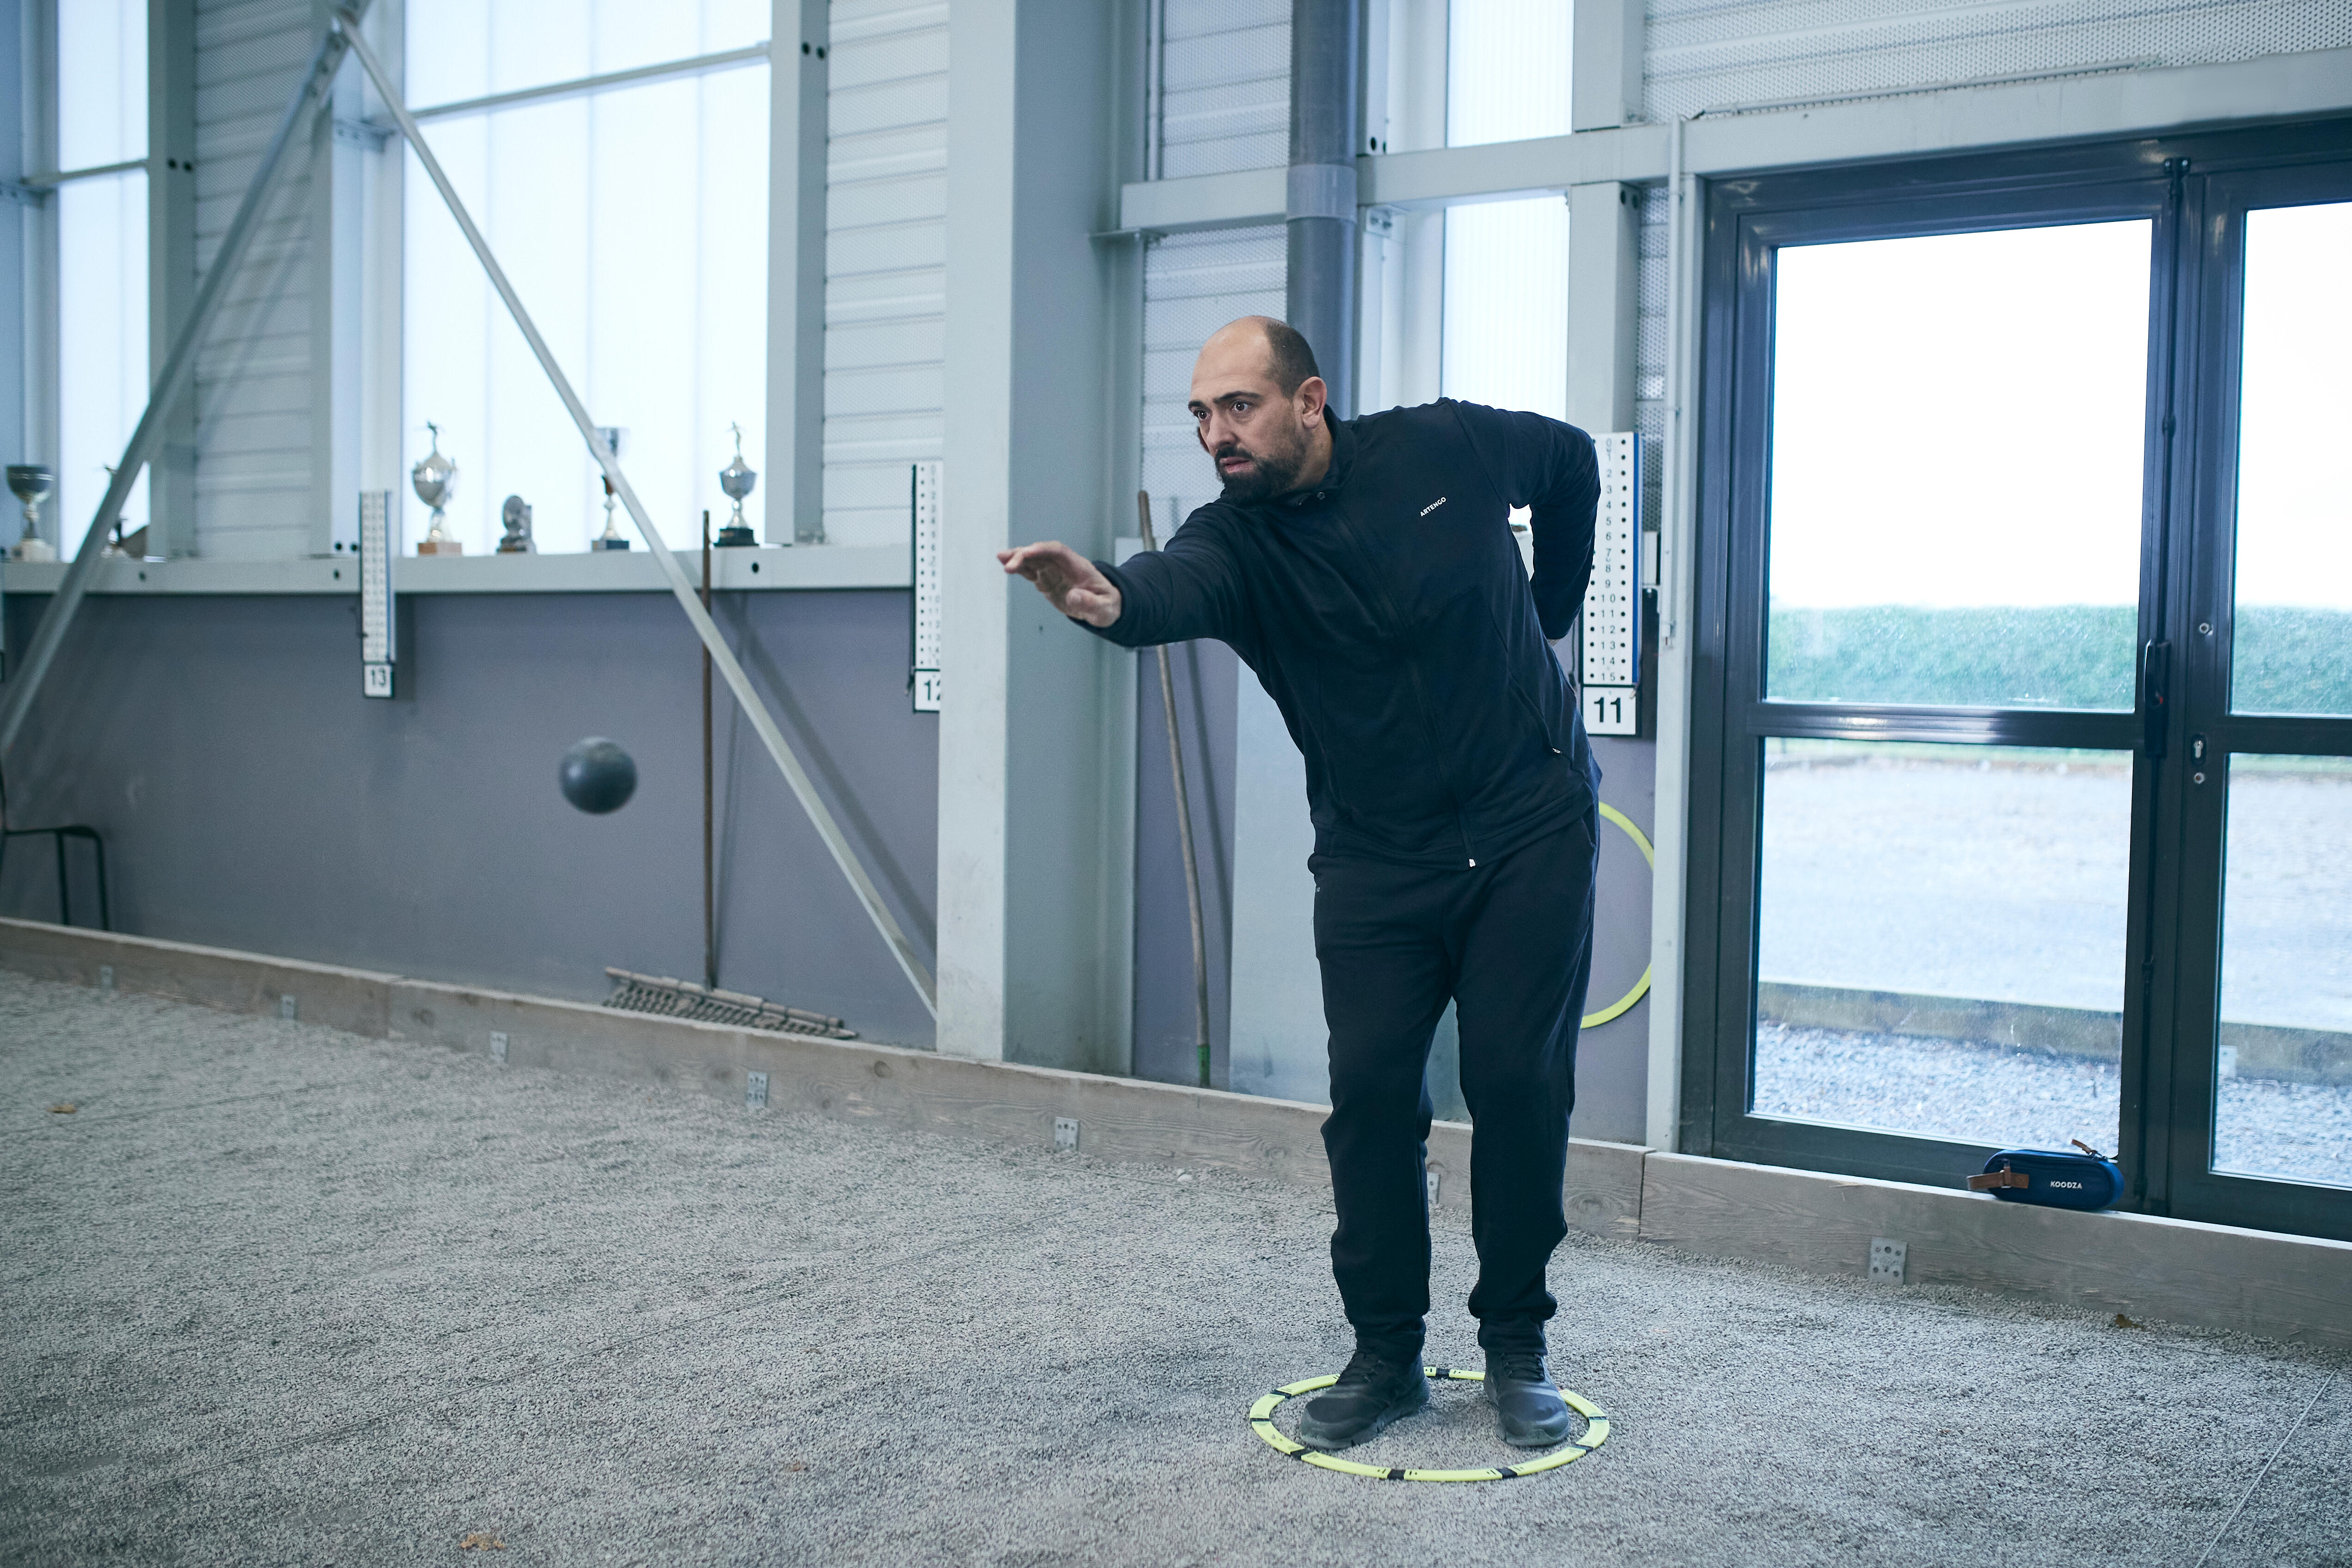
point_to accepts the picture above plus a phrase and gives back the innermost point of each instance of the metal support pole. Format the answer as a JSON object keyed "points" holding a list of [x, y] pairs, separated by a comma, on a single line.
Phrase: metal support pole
{"points": [[1320, 210], [17, 698], [710, 901], [681, 587]]}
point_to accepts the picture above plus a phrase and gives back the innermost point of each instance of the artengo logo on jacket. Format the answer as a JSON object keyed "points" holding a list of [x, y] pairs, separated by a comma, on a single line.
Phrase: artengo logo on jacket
{"points": [[1433, 506]]}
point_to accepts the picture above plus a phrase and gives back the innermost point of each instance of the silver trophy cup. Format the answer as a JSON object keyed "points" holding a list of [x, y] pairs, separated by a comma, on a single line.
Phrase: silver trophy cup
{"points": [[31, 483], [737, 479], [434, 479]]}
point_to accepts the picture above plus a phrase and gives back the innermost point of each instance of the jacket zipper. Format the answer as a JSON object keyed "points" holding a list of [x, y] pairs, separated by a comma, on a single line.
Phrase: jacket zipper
{"points": [[1413, 670]]}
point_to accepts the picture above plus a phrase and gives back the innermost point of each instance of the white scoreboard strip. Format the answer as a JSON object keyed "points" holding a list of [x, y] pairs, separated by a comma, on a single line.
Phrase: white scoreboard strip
{"points": [[1609, 653], [378, 630], [923, 676]]}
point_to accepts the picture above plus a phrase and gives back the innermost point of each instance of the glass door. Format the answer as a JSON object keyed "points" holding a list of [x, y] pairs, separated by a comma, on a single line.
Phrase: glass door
{"points": [[1934, 614], [2022, 747], [2261, 1123]]}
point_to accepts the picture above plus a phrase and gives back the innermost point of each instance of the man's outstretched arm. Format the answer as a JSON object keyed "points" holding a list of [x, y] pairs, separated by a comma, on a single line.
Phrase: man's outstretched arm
{"points": [[1074, 584], [1188, 589]]}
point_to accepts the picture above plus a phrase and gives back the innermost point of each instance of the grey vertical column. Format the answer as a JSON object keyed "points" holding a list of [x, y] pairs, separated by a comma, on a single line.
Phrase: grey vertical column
{"points": [[1604, 224], [1035, 907], [1605, 64], [1320, 211], [800, 79], [15, 201], [172, 261]]}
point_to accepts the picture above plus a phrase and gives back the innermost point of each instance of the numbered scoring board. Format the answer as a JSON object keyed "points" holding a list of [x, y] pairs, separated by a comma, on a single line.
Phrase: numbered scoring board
{"points": [[923, 659], [1609, 645], [377, 627]]}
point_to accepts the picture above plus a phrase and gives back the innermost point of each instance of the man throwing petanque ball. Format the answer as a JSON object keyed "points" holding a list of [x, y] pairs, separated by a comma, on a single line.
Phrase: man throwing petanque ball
{"points": [[1365, 570]]}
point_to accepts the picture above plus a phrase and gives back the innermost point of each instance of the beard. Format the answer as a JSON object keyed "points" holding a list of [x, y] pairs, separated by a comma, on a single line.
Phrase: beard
{"points": [[1269, 475]]}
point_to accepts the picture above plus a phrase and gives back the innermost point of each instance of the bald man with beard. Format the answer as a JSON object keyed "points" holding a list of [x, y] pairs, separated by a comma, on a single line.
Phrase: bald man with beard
{"points": [[1366, 571]]}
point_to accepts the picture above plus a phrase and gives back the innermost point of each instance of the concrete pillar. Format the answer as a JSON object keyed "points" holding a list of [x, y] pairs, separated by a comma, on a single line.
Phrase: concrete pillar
{"points": [[1320, 211], [799, 80], [1034, 894], [1605, 81], [1604, 223], [172, 261]]}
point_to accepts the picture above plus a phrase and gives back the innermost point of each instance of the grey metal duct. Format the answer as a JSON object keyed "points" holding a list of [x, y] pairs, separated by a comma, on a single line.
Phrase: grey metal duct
{"points": [[1320, 211]]}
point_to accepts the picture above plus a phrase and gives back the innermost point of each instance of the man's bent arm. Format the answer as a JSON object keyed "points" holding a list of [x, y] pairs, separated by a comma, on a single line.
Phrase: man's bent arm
{"points": [[1549, 468]]}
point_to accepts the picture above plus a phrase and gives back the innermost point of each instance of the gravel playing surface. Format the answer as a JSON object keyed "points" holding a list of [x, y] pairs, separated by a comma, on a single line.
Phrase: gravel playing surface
{"points": [[278, 1295], [2023, 1098]]}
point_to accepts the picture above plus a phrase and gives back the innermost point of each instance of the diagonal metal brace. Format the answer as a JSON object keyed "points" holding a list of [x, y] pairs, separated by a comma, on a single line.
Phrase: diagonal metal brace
{"points": [[722, 657]]}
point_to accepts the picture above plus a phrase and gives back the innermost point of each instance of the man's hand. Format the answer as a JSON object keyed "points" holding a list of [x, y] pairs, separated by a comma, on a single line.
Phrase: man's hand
{"points": [[1066, 578]]}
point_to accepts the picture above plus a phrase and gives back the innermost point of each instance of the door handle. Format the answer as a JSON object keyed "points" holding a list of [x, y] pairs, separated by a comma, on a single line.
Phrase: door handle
{"points": [[2155, 696]]}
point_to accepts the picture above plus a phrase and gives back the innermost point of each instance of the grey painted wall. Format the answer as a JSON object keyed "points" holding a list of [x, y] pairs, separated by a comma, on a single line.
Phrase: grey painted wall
{"points": [[251, 797]]}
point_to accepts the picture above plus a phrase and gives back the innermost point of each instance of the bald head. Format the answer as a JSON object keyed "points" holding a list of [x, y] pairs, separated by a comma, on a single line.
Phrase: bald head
{"points": [[1258, 405], [1288, 360]]}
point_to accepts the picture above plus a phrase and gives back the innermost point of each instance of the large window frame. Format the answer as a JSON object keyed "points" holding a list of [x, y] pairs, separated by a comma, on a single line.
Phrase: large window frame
{"points": [[772, 506], [2189, 490], [46, 188]]}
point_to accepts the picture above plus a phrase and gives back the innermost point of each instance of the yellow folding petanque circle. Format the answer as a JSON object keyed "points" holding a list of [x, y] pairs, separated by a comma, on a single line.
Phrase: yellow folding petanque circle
{"points": [[1261, 1420]]}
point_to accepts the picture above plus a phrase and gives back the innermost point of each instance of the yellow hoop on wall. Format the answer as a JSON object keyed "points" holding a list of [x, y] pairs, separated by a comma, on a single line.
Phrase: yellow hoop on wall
{"points": [[1640, 987]]}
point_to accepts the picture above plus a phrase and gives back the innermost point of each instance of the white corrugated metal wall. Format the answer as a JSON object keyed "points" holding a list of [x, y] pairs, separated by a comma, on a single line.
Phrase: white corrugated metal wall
{"points": [[1222, 92], [1192, 285], [1220, 102], [1710, 54], [885, 261], [254, 441]]}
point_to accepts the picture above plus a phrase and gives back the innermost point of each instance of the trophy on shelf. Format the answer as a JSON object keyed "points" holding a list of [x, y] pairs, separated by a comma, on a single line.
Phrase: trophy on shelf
{"points": [[31, 483], [516, 514], [737, 479], [435, 480], [610, 436]]}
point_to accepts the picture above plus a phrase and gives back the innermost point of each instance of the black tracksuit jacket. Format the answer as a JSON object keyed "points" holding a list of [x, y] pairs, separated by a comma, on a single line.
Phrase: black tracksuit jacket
{"points": [[1387, 614]]}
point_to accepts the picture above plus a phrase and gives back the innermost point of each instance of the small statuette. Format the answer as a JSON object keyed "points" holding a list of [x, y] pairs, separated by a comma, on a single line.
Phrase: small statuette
{"points": [[31, 483], [737, 479], [516, 514], [610, 436], [434, 478]]}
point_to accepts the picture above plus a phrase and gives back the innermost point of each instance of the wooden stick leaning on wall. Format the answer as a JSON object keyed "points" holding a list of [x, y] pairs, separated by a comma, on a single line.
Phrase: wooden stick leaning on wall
{"points": [[710, 905], [1183, 824]]}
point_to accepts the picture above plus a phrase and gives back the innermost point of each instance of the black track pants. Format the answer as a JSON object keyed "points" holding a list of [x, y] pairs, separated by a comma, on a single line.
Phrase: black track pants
{"points": [[1510, 943]]}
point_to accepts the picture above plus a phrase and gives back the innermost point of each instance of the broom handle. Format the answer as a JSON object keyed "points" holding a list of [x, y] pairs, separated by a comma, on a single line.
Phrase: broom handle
{"points": [[1183, 825]]}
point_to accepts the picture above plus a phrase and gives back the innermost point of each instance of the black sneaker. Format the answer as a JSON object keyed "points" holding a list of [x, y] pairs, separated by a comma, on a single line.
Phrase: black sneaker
{"points": [[1527, 1408], [1374, 1391]]}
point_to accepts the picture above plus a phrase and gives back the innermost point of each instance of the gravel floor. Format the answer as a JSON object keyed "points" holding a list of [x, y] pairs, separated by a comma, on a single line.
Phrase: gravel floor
{"points": [[278, 1295], [2022, 1098]]}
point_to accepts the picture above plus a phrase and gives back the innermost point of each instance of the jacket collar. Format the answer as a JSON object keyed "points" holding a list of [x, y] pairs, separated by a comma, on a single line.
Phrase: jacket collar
{"points": [[1343, 453]]}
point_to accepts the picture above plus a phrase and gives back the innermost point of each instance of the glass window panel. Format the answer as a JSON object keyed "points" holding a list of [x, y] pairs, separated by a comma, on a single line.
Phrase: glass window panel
{"points": [[101, 82], [634, 223], [1940, 939], [2283, 1102], [101, 345], [2293, 621], [460, 49], [1957, 452], [1506, 70], [1506, 336]]}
